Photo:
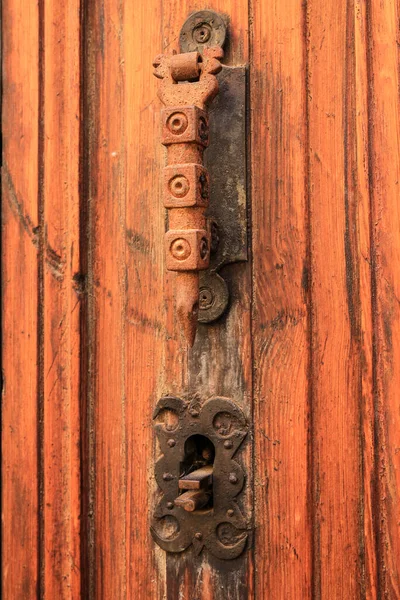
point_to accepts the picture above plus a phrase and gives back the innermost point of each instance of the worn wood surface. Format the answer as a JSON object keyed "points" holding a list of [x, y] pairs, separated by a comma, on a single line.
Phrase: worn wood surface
{"points": [[20, 295], [309, 347], [61, 293], [336, 490], [280, 300], [384, 171]]}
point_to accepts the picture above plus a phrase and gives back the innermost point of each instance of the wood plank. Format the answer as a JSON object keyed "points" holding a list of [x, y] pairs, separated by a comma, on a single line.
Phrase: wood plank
{"points": [[281, 300], [220, 361], [358, 183], [62, 289], [145, 325], [384, 139], [337, 309], [20, 117], [107, 284]]}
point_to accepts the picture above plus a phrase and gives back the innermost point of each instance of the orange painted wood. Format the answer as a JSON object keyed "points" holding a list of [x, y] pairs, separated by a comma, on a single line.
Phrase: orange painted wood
{"points": [[309, 347], [359, 239], [146, 329], [20, 419], [62, 291], [107, 139], [336, 463], [280, 301], [384, 165]]}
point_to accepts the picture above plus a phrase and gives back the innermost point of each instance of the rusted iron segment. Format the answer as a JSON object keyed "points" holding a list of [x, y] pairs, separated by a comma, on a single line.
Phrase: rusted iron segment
{"points": [[200, 479], [188, 86], [192, 500]]}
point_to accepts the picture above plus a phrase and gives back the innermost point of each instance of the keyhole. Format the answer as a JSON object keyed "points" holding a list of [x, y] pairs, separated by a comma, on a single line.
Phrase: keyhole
{"points": [[199, 455]]}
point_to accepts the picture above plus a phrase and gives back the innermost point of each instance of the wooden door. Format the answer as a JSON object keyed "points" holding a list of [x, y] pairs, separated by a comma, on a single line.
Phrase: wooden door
{"points": [[309, 348]]}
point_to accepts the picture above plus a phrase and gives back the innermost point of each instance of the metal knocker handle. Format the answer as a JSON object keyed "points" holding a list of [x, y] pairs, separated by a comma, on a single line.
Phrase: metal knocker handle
{"points": [[188, 87]]}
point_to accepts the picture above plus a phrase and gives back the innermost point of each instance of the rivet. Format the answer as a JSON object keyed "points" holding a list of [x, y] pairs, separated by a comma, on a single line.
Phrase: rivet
{"points": [[194, 412], [170, 505], [202, 33], [233, 478], [177, 123], [203, 248], [228, 444], [171, 443], [180, 249], [179, 186], [206, 298], [230, 512], [167, 476], [198, 535]]}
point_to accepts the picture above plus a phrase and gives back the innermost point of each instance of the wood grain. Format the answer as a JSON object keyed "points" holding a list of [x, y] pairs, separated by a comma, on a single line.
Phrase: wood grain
{"points": [[335, 304], [146, 331], [359, 249], [281, 296], [107, 285], [62, 291], [20, 118], [90, 335], [384, 166]]}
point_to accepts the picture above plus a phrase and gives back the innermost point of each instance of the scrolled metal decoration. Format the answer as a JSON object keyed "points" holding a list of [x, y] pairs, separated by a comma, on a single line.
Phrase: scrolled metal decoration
{"points": [[207, 514]]}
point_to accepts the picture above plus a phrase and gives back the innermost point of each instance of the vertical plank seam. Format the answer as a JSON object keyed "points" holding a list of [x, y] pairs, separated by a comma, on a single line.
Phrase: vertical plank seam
{"points": [[315, 583], [40, 307], [374, 303], [88, 472], [351, 264], [86, 341], [123, 288]]}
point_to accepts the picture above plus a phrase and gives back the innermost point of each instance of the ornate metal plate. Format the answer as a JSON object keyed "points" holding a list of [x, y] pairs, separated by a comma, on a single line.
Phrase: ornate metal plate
{"points": [[222, 529]]}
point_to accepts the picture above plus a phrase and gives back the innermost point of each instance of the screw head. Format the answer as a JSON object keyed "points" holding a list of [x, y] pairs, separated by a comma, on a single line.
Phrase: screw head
{"points": [[202, 33], [228, 444], [177, 123], [230, 512], [233, 478], [180, 249], [170, 505], [206, 298], [198, 535], [167, 476], [171, 443]]}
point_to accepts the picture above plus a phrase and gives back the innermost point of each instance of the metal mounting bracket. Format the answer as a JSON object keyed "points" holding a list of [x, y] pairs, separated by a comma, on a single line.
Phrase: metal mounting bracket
{"points": [[204, 192], [225, 160]]}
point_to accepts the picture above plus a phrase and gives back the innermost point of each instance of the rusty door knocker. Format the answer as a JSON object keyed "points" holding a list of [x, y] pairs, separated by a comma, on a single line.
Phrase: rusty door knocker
{"points": [[188, 86]]}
